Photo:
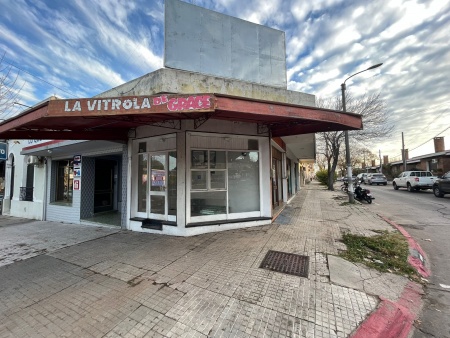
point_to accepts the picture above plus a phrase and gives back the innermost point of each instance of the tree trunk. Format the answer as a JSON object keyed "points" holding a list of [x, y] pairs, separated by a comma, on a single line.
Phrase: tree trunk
{"points": [[331, 174]]}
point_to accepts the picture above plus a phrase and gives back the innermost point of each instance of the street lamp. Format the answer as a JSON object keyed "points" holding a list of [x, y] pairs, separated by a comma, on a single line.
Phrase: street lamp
{"points": [[351, 198]]}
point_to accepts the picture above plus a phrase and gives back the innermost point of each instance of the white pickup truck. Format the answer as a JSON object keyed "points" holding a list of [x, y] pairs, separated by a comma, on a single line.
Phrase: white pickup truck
{"points": [[414, 180]]}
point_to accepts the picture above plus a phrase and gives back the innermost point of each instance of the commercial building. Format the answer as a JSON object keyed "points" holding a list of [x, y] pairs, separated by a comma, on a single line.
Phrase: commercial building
{"points": [[176, 152]]}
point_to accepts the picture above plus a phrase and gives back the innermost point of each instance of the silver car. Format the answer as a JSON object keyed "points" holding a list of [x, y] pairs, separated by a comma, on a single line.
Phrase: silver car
{"points": [[377, 179]]}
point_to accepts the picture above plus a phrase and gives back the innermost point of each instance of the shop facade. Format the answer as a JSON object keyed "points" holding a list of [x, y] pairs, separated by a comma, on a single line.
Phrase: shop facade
{"points": [[180, 164]]}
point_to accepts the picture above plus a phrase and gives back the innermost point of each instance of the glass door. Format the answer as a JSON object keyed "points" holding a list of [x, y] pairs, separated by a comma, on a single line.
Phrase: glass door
{"points": [[157, 181], [158, 186]]}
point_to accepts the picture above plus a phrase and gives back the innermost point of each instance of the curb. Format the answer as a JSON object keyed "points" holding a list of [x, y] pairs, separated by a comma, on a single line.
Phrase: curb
{"points": [[417, 256], [395, 319]]}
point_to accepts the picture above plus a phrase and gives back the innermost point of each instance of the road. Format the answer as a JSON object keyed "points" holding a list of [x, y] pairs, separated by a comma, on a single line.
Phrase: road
{"points": [[427, 219]]}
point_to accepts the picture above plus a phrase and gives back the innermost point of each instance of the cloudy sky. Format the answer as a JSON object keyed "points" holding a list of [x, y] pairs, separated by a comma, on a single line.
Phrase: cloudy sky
{"points": [[78, 48]]}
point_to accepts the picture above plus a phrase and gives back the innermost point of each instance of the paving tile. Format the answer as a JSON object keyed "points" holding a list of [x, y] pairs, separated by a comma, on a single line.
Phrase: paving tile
{"points": [[142, 285]]}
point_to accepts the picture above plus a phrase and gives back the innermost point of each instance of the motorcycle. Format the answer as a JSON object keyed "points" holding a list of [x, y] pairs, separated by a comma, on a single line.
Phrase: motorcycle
{"points": [[363, 194]]}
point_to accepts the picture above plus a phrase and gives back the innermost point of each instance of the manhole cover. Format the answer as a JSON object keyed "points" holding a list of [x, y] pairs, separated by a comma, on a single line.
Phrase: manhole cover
{"points": [[288, 263]]}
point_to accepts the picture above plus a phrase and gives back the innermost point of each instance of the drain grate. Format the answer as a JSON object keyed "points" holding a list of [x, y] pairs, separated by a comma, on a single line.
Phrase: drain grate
{"points": [[288, 263]]}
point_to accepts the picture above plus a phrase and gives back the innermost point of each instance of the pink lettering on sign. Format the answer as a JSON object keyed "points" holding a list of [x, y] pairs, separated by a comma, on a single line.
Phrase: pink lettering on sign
{"points": [[157, 101], [189, 103]]}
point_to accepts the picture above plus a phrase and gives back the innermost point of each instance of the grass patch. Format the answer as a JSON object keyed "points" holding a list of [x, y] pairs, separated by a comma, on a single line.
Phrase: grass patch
{"points": [[386, 252]]}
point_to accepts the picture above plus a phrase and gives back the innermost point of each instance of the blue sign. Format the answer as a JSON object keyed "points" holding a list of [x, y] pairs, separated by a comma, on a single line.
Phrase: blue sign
{"points": [[3, 152], [77, 161]]}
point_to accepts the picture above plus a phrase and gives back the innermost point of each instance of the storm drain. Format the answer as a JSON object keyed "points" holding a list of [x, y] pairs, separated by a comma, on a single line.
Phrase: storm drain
{"points": [[288, 263]]}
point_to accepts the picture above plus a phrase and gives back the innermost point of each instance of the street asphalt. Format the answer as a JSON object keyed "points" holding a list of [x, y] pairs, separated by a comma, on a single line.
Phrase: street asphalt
{"points": [[68, 280]]}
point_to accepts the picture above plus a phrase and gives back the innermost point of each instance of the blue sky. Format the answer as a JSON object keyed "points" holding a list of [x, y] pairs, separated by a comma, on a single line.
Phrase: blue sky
{"points": [[78, 48]]}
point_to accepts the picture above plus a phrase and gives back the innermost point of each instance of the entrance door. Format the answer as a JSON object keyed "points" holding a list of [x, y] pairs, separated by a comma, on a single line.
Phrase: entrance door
{"points": [[158, 186], [104, 185], [157, 195]]}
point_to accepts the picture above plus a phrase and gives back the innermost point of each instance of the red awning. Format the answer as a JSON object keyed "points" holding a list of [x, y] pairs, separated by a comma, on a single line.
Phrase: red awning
{"points": [[112, 118]]}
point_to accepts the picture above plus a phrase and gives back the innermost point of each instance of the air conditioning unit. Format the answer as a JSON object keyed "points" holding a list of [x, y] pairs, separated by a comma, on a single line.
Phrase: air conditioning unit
{"points": [[34, 160]]}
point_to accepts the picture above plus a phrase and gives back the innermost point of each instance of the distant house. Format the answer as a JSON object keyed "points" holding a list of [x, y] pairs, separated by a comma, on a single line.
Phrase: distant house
{"points": [[438, 162]]}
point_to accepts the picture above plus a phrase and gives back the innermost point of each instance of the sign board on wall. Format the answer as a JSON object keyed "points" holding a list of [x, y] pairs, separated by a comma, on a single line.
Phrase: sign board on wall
{"points": [[76, 167], [76, 184], [3, 151]]}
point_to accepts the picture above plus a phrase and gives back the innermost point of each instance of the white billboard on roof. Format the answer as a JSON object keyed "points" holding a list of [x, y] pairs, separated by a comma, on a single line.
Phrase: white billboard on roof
{"points": [[200, 40]]}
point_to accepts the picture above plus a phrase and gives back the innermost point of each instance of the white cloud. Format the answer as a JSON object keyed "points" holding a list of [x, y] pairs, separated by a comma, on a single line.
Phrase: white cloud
{"points": [[86, 47]]}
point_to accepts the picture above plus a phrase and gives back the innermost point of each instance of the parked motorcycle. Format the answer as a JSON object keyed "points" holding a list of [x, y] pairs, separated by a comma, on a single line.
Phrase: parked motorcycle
{"points": [[344, 187], [362, 194]]}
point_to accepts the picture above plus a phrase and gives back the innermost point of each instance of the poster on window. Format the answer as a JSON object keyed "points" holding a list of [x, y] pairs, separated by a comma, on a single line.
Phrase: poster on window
{"points": [[77, 172], [158, 178], [76, 184]]}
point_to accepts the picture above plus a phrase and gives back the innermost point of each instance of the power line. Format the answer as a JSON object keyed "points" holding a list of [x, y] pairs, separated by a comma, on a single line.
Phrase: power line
{"points": [[37, 77], [425, 141], [445, 111], [430, 139]]}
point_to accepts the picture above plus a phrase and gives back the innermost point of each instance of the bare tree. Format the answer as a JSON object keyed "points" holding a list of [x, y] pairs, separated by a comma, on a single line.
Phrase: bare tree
{"points": [[373, 111], [360, 156], [9, 89]]}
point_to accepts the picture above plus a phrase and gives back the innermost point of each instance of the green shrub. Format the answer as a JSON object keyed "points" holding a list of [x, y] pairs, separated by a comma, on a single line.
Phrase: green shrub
{"points": [[322, 176]]}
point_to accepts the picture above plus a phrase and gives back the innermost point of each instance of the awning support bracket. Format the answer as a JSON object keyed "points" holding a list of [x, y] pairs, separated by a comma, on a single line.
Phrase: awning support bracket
{"points": [[170, 124], [201, 119], [262, 128]]}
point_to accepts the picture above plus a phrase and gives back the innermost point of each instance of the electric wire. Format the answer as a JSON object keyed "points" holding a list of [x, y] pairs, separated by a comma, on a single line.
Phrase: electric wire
{"points": [[39, 78]]}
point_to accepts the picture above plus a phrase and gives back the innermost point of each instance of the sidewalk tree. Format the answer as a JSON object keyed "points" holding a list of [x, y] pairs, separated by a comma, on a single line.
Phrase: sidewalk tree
{"points": [[9, 89], [360, 155], [374, 113]]}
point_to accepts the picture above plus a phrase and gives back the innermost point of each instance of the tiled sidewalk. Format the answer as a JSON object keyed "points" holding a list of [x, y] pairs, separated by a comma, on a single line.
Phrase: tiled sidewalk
{"points": [[127, 284]]}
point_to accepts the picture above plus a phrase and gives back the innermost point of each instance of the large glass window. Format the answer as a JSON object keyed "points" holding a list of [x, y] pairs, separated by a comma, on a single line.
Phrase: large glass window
{"points": [[64, 181], [243, 181], [172, 184], [208, 182], [224, 182], [208, 203]]}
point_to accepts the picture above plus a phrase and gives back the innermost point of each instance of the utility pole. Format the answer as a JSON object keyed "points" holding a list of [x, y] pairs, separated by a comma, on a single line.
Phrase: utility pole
{"points": [[351, 198], [381, 164], [403, 153]]}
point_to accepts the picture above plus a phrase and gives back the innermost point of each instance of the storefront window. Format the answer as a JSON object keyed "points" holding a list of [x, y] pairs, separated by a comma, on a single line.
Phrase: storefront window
{"points": [[198, 180], [208, 203], [218, 160], [224, 182], [172, 184], [142, 183], [199, 159], [217, 179], [243, 181], [64, 181]]}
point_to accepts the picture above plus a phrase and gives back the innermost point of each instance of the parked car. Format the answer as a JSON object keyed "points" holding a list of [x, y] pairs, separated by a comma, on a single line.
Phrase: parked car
{"points": [[360, 177], [414, 180], [366, 178], [377, 179], [441, 185]]}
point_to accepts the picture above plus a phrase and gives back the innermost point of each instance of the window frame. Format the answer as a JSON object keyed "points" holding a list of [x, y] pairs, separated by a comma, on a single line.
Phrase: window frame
{"points": [[57, 177], [222, 216]]}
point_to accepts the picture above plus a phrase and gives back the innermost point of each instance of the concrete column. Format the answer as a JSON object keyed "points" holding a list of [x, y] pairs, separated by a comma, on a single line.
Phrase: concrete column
{"points": [[183, 206]]}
